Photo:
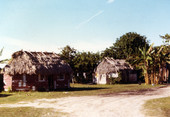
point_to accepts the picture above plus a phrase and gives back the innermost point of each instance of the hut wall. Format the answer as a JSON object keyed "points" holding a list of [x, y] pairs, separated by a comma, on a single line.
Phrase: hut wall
{"points": [[128, 76], [29, 83], [132, 77], [65, 83], [125, 76], [102, 79], [105, 78], [18, 83], [7, 82]]}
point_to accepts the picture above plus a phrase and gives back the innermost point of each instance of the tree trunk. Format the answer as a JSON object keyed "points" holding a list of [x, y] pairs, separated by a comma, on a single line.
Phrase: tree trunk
{"points": [[164, 74], [152, 77], [146, 78], [159, 76]]}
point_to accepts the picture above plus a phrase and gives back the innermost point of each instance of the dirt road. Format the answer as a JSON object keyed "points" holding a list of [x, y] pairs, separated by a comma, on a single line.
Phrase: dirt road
{"points": [[127, 104]]}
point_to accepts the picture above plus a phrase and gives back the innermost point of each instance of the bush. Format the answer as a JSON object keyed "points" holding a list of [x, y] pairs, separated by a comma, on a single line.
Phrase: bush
{"points": [[9, 89], [116, 80]]}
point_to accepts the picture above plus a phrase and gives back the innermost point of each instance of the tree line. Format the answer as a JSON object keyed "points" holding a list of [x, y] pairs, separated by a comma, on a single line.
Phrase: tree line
{"points": [[131, 46]]}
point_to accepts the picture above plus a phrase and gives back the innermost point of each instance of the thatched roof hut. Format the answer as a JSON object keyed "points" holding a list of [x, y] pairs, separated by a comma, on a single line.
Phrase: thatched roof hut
{"points": [[110, 65], [24, 62], [110, 68]]}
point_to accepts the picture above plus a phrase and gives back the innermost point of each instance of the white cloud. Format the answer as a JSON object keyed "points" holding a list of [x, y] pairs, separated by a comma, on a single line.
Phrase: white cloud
{"points": [[89, 19], [110, 1]]}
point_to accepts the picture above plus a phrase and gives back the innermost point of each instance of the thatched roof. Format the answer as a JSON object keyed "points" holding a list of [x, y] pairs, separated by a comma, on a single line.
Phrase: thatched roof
{"points": [[110, 65], [24, 62]]}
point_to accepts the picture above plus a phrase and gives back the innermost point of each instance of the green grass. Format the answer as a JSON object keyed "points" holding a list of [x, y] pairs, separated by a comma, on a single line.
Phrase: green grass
{"points": [[28, 112], [76, 90], [158, 107]]}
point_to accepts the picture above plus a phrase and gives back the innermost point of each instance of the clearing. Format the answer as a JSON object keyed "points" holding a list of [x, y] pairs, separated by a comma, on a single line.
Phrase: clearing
{"points": [[122, 104]]}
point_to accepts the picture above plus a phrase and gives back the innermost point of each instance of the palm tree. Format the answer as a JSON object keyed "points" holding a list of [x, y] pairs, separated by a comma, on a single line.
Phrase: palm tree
{"points": [[164, 56], [155, 64], [143, 61]]}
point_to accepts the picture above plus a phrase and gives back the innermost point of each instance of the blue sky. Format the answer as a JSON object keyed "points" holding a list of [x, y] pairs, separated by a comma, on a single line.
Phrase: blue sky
{"points": [[87, 25]]}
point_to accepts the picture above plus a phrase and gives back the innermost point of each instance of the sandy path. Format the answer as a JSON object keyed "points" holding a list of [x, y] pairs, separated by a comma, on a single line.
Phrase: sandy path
{"points": [[120, 105]]}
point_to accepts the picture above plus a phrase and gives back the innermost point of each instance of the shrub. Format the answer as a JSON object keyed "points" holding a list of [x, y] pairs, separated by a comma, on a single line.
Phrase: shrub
{"points": [[116, 80]]}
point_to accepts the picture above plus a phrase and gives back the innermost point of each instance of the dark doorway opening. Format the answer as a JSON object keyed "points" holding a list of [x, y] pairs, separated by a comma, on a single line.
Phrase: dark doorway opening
{"points": [[51, 83], [1, 83]]}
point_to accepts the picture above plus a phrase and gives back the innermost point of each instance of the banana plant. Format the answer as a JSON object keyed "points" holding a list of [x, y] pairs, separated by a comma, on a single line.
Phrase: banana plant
{"points": [[155, 65], [143, 61]]}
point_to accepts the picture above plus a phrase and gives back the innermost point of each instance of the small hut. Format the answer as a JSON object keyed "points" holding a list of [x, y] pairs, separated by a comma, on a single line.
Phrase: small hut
{"points": [[36, 71], [110, 68]]}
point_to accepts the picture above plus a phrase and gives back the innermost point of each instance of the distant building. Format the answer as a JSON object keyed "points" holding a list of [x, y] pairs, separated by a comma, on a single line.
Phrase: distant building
{"points": [[110, 68], [36, 71]]}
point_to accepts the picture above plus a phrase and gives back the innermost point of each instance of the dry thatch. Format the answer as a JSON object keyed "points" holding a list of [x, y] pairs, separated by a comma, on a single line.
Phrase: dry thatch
{"points": [[24, 62], [110, 65]]}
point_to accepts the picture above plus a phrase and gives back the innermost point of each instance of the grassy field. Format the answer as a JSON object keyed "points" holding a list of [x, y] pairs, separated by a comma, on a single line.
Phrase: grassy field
{"points": [[158, 107], [76, 90], [29, 112]]}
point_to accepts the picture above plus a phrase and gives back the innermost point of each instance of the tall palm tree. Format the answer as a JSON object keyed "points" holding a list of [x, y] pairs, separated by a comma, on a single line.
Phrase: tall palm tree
{"points": [[155, 64], [164, 55], [143, 62]]}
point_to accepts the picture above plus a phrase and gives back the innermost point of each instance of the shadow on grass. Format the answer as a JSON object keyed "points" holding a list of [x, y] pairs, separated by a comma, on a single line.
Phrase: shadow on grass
{"points": [[84, 89], [4, 95], [79, 89]]}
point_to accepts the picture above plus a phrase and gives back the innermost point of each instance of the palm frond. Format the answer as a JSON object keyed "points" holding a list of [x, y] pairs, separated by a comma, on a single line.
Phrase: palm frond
{"points": [[150, 49], [1, 51], [141, 51], [4, 61], [160, 50]]}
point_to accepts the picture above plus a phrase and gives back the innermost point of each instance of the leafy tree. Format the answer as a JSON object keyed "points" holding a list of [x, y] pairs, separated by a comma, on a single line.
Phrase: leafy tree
{"points": [[82, 63], [166, 39], [109, 52], [125, 46], [85, 63], [129, 44], [68, 54]]}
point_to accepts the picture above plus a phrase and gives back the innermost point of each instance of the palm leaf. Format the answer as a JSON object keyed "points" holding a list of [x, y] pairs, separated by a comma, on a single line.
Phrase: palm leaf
{"points": [[141, 51], [4, 61], [1, 51], [150, 48]]}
